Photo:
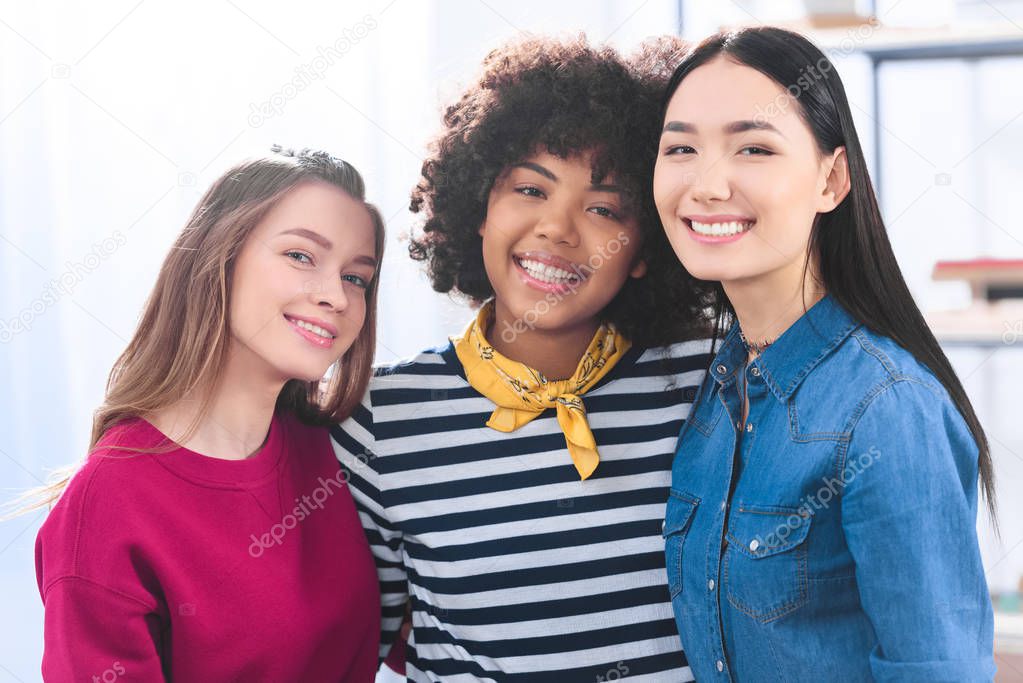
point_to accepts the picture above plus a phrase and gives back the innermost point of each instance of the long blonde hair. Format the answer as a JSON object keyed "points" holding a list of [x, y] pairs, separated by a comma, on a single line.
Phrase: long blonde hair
{"points": [[181, 343]]}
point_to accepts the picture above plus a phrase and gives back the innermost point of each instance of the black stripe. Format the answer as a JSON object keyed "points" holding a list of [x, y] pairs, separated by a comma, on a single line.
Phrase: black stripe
{"points": [[546, 609], [517, 480], [548, 645], [583, 674], [499, 445], [570, 538], [502, 578], [548, 508]]}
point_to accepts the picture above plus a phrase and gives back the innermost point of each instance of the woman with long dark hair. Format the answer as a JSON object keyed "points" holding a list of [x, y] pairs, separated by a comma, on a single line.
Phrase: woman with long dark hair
{"points": [[821, 523]]}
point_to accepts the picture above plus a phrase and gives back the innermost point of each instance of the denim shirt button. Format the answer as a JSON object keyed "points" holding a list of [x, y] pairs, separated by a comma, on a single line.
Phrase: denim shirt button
{"points": [[710, 585], [749, 426], [755, 371], [753, 545], [722, 369], [721, 665]]}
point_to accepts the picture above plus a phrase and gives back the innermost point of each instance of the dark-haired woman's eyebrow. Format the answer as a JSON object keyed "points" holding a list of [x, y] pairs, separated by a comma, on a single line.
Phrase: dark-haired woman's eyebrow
{"points": [[678, 127], [606, 188], [533, 166], [732, 128], [736, 127]]}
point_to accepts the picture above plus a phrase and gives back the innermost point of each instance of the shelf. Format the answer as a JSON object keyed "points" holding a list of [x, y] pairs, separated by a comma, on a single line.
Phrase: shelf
{"points": [[984, 324]]}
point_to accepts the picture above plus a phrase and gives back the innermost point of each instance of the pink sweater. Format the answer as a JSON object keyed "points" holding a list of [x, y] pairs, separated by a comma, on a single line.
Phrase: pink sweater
{"points": [[183, 567]]}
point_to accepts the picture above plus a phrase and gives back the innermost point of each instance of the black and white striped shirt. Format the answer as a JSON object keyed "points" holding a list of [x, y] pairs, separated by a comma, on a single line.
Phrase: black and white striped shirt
{"points": [[515, 568]]}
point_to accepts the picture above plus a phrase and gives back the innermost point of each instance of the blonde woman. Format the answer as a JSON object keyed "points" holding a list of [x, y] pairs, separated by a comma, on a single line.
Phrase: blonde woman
{"points": [[210, 535]]}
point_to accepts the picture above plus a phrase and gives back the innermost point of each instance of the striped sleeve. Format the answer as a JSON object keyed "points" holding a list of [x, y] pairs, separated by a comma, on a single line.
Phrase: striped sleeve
{"points": [[354, 445]]}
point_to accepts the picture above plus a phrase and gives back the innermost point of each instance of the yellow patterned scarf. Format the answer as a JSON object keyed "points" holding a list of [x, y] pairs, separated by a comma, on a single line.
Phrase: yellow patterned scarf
{"points": [[522, 393]]}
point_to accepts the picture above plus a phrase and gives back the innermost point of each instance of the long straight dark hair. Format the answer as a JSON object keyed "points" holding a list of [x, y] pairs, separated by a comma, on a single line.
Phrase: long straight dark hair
{"points": [[855, 257]]}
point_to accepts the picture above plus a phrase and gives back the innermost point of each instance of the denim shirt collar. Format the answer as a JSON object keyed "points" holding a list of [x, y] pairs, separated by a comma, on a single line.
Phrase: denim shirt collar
{"points": [[786, 362]]}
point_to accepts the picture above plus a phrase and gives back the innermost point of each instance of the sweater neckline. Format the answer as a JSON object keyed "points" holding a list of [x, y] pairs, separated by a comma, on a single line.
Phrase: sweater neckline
{"points": [[218, 471]]}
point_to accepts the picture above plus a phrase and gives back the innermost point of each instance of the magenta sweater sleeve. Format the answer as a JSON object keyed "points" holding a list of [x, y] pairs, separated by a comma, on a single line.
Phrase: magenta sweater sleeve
{"points": [[91, 629]]}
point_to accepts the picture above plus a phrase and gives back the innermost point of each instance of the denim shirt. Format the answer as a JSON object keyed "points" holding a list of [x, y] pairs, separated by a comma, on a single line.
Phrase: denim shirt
{"points": [[847, 549]]}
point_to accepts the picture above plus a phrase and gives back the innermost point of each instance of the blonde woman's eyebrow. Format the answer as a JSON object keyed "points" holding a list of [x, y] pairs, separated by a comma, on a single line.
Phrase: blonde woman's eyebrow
{"points": [[310, 235], [364, 260]]}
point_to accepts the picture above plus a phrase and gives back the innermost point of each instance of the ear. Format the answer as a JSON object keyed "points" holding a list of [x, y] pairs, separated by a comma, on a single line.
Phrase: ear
{"points": [[836, 182], [638, 269], [480, 231]]}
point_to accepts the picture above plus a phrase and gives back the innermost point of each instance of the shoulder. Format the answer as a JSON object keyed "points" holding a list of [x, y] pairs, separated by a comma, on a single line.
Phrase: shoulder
{"points": [[432, 361], [686, 361], [101, 501], [404, 385], [696, 354], [426, 376], [875, 364], [893, 391]]}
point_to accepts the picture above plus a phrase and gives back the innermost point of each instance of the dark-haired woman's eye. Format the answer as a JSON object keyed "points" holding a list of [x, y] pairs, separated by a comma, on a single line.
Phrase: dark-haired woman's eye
{"points": [[679, 149], [530, 191], [753, 150], [300, 254]]}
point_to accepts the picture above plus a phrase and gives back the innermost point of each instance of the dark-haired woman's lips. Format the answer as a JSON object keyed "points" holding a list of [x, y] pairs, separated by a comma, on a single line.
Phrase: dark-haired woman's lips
{"points": [[718, 230]]}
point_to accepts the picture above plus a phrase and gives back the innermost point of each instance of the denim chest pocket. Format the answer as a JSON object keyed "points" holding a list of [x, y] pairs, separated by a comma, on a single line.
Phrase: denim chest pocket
{"points": [[678, 517], [764, 567]]}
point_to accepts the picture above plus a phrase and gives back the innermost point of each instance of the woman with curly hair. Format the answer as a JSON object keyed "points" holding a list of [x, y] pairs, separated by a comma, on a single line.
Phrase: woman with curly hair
{"points": [[513, 481]]}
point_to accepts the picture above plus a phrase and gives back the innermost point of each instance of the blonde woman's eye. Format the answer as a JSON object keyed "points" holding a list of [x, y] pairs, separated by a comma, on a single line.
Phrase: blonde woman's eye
{"points": [[356, 280], [293, 254], [679, 149]]}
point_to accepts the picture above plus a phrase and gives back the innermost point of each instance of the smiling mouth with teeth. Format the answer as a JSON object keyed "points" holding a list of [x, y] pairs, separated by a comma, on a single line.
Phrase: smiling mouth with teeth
{"points": [[548, 274], [718, 231], [309, 327]]}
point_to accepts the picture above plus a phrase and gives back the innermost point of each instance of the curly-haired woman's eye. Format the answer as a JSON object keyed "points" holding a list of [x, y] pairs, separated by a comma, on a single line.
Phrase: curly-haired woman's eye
{"points": [[530, 191], [605, 212], [755, 151]]}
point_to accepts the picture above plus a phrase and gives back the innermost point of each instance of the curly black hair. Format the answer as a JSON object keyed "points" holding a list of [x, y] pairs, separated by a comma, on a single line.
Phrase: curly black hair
{"points": [[568, 97]]}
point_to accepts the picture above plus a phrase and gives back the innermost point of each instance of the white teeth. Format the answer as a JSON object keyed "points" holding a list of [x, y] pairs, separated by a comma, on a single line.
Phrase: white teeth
{"points": [[721, 229], [315, 329], [547, 273]]}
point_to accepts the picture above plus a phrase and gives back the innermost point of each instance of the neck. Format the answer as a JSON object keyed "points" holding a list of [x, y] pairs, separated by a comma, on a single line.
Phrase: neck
{"points": [[240, 409], [767, 306], [555, 353]]}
